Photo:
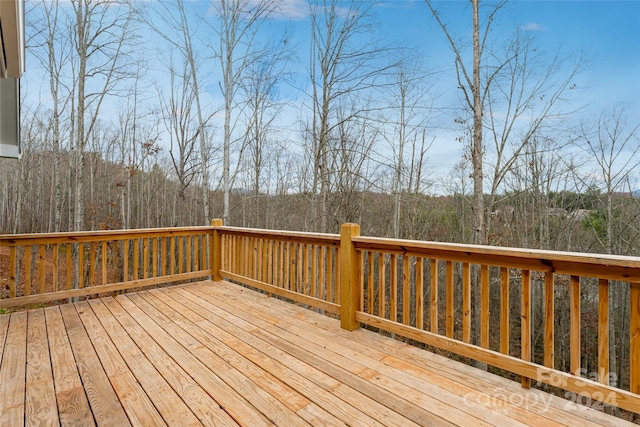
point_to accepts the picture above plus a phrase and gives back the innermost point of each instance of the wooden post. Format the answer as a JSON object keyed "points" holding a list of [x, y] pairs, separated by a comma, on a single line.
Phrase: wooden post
{"points": [[215, 250], [349, 276], [634, 330]]}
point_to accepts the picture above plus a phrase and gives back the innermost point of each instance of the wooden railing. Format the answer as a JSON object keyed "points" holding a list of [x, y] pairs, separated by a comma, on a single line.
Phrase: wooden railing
{"points": [[55, 266], [303, 267], [485, 303], [444, 295]]}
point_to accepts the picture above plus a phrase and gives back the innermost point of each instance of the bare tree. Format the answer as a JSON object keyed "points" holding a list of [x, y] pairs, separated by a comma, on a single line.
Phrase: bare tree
{"points": [[183, 129], [474, 90], [259, 87], [613, 143], [51, 46], [236, 28], [342, 70], [502, 88], [175, 28], [101, 37], [407, 137]]}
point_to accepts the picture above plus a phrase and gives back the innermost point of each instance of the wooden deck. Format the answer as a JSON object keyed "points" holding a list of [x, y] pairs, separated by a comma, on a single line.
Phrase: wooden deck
{"points": [[214, 353]]}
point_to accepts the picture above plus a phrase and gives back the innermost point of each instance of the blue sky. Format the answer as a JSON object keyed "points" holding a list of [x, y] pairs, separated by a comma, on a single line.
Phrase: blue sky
{"points": [[607, 32]]}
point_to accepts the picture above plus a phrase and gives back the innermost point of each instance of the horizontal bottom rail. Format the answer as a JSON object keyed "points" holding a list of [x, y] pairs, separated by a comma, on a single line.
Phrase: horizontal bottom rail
{"points": [[92, 290], [327, 306], [581, 386]]}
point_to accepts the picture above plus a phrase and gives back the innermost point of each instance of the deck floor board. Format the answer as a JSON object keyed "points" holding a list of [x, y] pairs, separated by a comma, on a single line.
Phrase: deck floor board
{"points": [[215, 353]]}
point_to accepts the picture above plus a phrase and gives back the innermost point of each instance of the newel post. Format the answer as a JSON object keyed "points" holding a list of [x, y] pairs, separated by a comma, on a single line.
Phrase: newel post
{"points": [[634, 330], [349, 277], [215, 251]]}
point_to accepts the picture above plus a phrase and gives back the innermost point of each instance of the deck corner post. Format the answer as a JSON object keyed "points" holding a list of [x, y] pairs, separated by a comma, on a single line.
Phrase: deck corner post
{"points": [[349, 277], [215, 251], [634, 330]]}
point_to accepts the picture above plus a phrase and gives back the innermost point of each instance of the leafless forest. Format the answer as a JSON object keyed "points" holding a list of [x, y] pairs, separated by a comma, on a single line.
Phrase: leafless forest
{"points": [[155, 114], [120, 130]]}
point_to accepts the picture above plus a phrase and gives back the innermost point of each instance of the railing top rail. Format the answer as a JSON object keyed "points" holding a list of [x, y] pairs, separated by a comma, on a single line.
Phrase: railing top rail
{"points": [[615, 267], [324, 238], [97, 235]]}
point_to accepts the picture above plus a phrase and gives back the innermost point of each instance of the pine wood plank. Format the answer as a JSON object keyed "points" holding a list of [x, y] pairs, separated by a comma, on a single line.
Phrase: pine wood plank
{"points": [[441, 399], [135, 401], [300, 375], [552, 407], [40, 398], [533, 400], [104, 403], [175, 363], [4, 327], [316, 416], [202, 359], [13, 370], [73, 407], [340, 366], [214, 352], [125, 334]]}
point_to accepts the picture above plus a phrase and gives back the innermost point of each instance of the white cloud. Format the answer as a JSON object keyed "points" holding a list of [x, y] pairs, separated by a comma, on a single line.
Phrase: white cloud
{"points": [[293, 9], [533, 26]]}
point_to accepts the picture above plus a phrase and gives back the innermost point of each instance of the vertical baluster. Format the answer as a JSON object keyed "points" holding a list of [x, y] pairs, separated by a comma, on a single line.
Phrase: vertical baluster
{"points": [[449, 298], [13, 260], [406, 290], [80, 265], [180, 254], [104, 263], [331, 292], [525, 323], [163, 256], [420, 293], [55, 267], [306, 282], [321, 272], [370, 283], [504, 310], [125, 260], [336, 272], [41, 271], [189, 250], [69, 269], [196, 253], [548, 320], [603, 331], [433, 307], [314, 271], [382, 286], [466, 302], [484, 306], [574, 334], [28, 251], [393, 297], [136, 258]]}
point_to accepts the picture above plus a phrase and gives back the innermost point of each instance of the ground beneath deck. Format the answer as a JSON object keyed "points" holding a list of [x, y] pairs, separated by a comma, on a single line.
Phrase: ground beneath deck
{"points": [[214, 353]]}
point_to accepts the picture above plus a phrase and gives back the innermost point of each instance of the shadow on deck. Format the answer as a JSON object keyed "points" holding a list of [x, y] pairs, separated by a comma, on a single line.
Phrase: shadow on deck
{"points": [[215, 353]]}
